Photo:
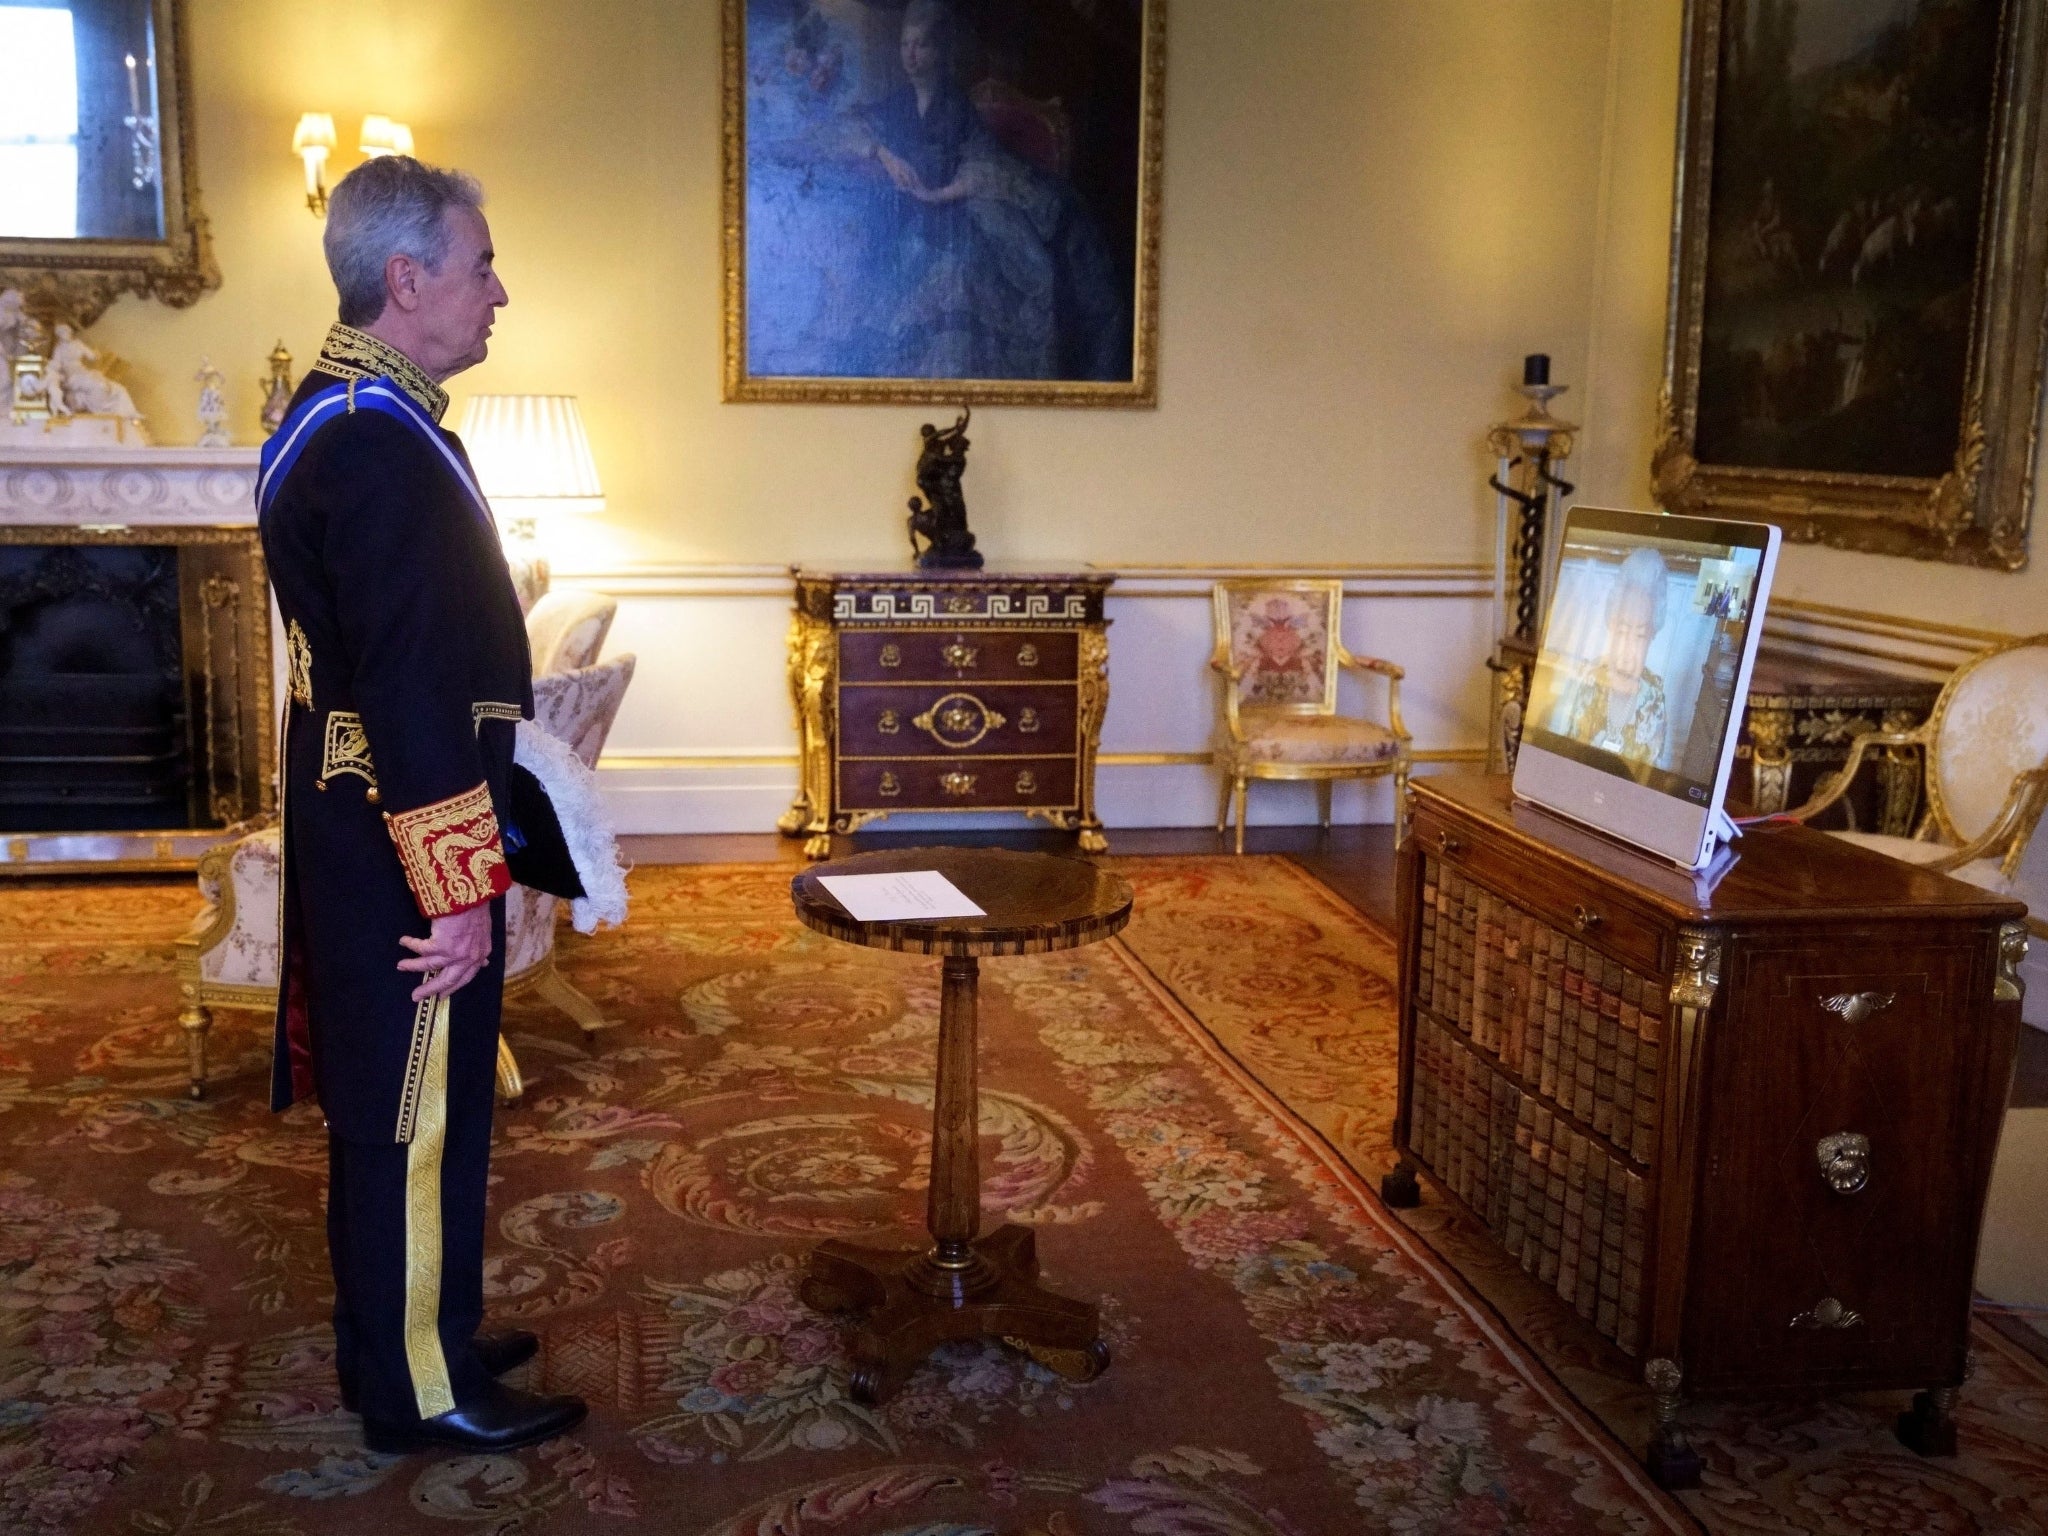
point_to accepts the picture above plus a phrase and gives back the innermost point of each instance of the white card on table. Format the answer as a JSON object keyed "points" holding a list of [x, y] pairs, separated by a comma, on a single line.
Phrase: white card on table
{"points": [[914, 894]]}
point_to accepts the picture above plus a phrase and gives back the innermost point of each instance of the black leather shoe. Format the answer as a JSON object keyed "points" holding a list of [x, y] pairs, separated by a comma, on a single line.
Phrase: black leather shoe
{"points": [[499, 1353], [500, 1418]]}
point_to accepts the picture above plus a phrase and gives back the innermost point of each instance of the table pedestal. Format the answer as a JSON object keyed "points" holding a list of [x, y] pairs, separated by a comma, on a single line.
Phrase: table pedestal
{"points": [[962, 1286]]}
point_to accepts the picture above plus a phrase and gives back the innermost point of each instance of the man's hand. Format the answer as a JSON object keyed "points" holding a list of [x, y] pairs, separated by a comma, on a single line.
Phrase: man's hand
{"points": [[457, 947]]}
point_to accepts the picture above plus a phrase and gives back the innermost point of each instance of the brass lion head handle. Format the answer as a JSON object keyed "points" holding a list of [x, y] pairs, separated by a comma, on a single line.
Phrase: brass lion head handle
{"points": [[1844, 1160]]}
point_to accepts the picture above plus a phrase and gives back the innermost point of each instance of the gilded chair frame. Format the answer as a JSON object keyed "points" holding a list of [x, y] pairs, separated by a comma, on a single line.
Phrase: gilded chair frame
{"points": [[1239, 766], [198, 998], [2006, 838]]}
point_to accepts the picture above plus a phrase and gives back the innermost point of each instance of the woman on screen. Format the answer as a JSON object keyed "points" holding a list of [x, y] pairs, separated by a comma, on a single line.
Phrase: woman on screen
{"points": [[1620, 707]]}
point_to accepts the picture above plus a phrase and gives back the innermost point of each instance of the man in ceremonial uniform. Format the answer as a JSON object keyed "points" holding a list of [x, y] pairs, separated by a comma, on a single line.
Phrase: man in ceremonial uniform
{"points": [[408, 673]]}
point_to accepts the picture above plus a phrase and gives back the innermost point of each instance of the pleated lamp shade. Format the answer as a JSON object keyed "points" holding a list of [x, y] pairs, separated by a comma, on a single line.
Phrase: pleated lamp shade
{"points": [[532, 455]]}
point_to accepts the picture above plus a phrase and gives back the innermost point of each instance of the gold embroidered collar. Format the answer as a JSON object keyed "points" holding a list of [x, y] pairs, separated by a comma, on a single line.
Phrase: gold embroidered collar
{"points": [[348, 353]]}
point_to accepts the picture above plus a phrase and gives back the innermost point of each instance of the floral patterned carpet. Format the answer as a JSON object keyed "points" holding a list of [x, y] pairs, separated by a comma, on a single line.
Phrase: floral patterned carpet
{"points": [[1291, 1360]]}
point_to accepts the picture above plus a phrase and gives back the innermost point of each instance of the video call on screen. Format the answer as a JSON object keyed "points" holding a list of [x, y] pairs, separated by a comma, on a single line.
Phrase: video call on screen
{"points": [[1636, 675]]}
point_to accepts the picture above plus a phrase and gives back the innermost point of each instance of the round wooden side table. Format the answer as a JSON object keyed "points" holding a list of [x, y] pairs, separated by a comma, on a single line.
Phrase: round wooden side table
{"points": [[962, 1285]]}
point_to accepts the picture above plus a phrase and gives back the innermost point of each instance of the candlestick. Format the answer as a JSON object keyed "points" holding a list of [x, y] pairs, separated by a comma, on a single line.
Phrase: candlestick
{"points": [[134, 89]]}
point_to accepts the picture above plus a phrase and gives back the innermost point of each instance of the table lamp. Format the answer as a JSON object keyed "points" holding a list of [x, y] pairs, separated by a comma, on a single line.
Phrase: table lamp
{"points": [[533, 464]]}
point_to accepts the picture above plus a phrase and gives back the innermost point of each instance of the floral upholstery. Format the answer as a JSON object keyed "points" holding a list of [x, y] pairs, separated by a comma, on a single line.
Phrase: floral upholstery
{"points": [[566, 630], [1994, 726], [579, 706], [1330, 739], [1280, 645], [1979, 872], [238, 965], [247, 954]]}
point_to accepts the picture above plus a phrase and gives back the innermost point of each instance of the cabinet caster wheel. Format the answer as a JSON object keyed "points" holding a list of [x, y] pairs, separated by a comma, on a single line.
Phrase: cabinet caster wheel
{"points": [[1078, 1365], [1400, 1189], [823, 1296], [866, 1384]]}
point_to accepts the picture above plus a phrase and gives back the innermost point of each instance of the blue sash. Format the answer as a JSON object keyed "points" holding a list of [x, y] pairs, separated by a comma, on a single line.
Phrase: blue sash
{"points": [[289, 441]]}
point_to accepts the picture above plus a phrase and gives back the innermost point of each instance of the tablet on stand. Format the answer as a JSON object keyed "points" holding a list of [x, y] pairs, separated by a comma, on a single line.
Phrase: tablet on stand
{"points": [[1640, 677]]}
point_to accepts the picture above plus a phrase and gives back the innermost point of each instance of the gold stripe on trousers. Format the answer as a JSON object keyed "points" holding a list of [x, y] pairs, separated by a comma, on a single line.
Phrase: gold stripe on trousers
{"points": [[428, 1112]]}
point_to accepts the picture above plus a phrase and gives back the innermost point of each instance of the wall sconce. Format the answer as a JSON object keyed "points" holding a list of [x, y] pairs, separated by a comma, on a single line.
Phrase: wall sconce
{"points": [[381, 136], [312, 142]]}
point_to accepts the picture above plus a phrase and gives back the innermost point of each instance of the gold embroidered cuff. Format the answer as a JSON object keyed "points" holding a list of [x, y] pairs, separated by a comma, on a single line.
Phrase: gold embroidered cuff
{"points": [[451, 852]]}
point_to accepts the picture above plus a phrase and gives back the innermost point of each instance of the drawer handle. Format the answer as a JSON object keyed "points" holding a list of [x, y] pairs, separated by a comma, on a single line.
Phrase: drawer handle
{"points": [[958, 720], [1027, 655], [890, 723], [1855, 1007], [1027, 783], [891, 656], [957, 784], [1445, 843], [1027, 720], [890, 787], [1828, 1313], [959, 655], [1844, 1160], [1585, 919]]}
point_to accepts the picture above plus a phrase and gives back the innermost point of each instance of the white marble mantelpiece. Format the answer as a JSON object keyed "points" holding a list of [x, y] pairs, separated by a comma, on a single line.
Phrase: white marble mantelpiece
{"points": [[138, 487]]}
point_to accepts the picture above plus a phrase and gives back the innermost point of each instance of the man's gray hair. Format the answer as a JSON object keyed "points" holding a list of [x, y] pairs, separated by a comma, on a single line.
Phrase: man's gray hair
{"points": [[390, 206]]}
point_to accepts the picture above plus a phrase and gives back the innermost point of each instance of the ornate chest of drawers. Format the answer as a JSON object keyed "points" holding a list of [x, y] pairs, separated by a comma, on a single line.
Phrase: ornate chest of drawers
{"points": [[947, 691], [1744, 1128]]}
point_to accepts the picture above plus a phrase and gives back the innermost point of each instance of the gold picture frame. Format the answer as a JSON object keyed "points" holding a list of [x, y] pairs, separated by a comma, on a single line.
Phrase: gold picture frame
{"points": [[75, 280], [1141, 389], [1975, 509]]}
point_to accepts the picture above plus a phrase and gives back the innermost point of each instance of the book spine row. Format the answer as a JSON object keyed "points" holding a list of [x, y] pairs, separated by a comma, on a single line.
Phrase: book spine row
{"points": [[1578, 1028], [1530, 1040]]}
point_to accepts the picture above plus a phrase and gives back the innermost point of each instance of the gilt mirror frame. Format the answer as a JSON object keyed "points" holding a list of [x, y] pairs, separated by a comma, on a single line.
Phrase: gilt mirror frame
{"points": [[75, 280], [1978, 512]]}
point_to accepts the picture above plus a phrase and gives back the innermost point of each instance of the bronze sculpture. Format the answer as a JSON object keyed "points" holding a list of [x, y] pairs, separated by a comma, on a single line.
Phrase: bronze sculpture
{"points": [[939, 517]]}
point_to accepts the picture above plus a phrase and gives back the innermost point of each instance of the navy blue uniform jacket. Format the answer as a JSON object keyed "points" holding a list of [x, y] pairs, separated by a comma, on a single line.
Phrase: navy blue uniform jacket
{"points": [[408, 672]]}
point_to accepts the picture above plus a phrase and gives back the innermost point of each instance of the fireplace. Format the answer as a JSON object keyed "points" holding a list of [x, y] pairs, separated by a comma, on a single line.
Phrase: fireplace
{"points": [[135, 692]]}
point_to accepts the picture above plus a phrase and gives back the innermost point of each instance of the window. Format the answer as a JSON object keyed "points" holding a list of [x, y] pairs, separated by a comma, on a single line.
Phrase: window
{"points": [[38, 122]]}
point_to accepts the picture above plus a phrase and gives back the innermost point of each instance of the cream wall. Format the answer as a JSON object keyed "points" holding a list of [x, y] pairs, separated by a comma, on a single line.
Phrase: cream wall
{"points": [[1371, 211]]}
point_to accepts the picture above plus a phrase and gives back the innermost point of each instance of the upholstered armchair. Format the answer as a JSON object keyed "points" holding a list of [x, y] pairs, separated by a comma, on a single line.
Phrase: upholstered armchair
{"points": [[1278, 651], [566, 630], [229, 957], [1984, 769]]}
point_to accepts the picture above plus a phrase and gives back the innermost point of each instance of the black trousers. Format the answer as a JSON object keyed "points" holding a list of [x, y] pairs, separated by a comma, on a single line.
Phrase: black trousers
{"points": [[405, 1230]]}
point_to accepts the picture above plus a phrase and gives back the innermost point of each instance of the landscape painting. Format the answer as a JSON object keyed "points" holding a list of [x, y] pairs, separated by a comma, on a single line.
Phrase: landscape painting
{"points": [[942, 200], [1856, 271], [1849, 149]]}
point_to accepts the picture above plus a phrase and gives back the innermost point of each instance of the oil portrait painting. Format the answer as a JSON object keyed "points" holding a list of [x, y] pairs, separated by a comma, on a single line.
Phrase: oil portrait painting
{"points": [[1858, 213], [942, 200]]}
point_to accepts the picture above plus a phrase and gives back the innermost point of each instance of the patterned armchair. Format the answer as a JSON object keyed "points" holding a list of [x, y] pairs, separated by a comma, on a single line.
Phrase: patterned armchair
{"points": [[566, 630], [1278, 648], [228, 958], [1984, 769]]}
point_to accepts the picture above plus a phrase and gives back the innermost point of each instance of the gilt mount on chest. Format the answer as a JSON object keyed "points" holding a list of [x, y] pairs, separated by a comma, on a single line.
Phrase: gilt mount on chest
{"points": [[947, 691]]}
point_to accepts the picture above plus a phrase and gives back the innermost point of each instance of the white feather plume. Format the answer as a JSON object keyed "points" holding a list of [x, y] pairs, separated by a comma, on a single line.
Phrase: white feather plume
{"points": [[593, 844]]}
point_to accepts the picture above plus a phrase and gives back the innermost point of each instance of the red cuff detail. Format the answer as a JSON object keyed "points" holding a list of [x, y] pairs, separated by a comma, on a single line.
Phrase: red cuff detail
{"points": [[451, 852]]}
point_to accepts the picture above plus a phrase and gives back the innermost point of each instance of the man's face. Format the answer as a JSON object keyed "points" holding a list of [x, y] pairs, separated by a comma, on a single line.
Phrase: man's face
{"points": [[459, 303], [920, 52]]}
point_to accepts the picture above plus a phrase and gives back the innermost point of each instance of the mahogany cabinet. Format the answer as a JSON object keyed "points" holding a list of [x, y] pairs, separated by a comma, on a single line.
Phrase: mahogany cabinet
{"points": [[947, 691], [1743, 1123]]}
